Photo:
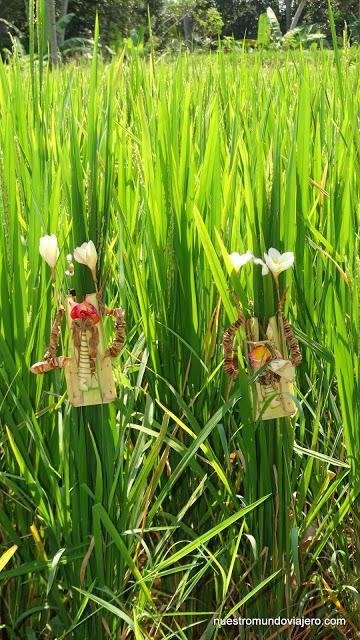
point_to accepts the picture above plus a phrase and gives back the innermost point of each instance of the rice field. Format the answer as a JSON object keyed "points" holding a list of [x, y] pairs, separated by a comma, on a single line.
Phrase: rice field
{"points": [[151, 516]]}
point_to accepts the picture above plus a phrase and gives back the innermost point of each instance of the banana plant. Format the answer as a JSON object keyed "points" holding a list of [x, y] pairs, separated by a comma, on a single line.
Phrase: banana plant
{"points": [[269, 33]]}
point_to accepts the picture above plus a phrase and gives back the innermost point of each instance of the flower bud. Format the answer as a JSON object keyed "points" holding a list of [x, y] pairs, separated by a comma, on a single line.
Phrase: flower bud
{"points": [[87, 255], [49, 250]]}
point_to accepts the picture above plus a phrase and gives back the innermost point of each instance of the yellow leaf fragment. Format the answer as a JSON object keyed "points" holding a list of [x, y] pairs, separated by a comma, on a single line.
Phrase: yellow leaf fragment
{"points": [[4, 559]]}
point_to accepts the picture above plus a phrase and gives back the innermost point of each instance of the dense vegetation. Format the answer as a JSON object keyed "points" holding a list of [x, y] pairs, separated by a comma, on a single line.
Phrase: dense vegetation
{"points": [[170, 20], [128, 519], [146, 518]]}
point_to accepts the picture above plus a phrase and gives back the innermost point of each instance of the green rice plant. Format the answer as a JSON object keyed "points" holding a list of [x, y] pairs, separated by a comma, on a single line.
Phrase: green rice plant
{"points": [[149, 517]]}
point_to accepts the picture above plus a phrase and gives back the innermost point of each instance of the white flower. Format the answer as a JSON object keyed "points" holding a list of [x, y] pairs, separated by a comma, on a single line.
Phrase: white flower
{"points": [[238, 260], [49, 250], [275, 261], [86, 254], [278, 262]]}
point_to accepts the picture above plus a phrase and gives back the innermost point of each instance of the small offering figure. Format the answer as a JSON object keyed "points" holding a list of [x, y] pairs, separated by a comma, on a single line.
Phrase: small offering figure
{"points": [[88, 369], [273, 391]]}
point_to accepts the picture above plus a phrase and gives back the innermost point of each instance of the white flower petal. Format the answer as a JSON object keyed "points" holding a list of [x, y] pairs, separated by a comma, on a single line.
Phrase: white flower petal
{"points": [[270, 262], [80, 253], [278, 262], [274, 254], [91, 255], [287, 260], [288, 256], [49, 250], [265, 269], [238, 260], [86, 254]]}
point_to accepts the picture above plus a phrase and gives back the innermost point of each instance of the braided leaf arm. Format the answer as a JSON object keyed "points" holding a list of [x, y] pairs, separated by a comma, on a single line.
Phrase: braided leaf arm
{"points": [[296, 357], [50, 360], [115, 347], [231, 367]]}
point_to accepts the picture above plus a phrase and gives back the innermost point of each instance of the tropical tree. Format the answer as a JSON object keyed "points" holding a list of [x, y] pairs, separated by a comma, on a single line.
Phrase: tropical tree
{"points": [[288, 9], [119, 18], [64, 6], [51, 9]]}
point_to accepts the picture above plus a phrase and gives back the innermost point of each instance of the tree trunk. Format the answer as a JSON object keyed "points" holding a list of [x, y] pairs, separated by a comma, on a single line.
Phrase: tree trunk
{"points": [[298, 13], [288, 14], [188, 27], [52, 32], [63, 12]]}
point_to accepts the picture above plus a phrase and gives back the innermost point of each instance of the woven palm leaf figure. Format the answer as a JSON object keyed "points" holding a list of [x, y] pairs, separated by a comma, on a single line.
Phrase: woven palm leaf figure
{"points": [[276, 370], [88, 370]]}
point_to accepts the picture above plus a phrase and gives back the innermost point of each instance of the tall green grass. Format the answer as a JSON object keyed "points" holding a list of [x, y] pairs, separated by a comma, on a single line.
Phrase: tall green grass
{"points": [[130, 520]]}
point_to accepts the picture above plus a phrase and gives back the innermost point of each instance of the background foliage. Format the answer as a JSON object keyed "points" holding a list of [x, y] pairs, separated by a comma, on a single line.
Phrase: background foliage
{"points": [[120, 18], [146, 518]]}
